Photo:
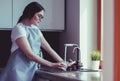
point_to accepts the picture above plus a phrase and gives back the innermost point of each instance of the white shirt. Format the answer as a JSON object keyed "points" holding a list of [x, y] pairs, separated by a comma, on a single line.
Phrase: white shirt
{"points": [[19, 31]]}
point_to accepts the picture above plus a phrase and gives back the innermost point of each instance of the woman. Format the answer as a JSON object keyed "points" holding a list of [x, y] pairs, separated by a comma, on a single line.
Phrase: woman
{"points": [[26, 42]]}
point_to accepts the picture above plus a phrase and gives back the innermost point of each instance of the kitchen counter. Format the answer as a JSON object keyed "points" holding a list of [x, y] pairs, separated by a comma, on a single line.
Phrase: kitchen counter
{"points": [[70, 76]]}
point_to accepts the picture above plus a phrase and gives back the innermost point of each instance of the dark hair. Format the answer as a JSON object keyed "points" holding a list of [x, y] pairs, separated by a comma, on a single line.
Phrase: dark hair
{"points": [[30, 10]]}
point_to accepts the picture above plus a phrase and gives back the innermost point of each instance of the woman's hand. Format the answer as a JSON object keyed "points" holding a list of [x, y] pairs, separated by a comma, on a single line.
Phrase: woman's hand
{"points": [[59, 66]]}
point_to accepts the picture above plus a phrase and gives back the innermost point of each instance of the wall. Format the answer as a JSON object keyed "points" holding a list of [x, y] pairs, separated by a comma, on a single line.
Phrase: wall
{"points": [[5, 45], [75, 34], [53, 39], [88, 29], [108, 39], [71, 33]]}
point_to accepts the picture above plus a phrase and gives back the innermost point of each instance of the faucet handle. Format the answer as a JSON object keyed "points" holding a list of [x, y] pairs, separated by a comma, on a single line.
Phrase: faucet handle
{"points": [[71, 63], [70, 60], [71, 66]]}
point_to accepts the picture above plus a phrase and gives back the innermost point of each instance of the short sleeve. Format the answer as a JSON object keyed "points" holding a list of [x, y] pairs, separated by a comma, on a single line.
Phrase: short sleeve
{"points": [[17, 32], [40, 33]]}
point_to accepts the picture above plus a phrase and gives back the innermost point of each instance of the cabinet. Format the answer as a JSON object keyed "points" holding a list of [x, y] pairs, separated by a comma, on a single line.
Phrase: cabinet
{"points": [[54, 13], [11, 10], [6, 14]]}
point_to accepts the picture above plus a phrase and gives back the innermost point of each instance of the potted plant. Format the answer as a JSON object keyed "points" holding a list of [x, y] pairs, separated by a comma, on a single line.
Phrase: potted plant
{"points": [[95, 59]]}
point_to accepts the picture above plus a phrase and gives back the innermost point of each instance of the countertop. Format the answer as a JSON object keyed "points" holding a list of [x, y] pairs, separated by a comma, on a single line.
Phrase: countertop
{"points": [[70, 76]]}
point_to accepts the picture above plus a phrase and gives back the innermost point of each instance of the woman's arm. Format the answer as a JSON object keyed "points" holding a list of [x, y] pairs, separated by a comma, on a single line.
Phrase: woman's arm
{"points": [[25, 47], [48, 48]]}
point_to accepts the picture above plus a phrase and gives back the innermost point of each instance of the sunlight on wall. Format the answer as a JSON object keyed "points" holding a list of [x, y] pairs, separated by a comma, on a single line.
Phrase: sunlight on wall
{"points": [[83, 36], [88, 30]]}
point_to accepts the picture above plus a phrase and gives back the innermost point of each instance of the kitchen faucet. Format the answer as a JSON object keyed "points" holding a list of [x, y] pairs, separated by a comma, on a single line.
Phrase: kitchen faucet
{"points": [[78, 62], [77, 49], [66, 46]]}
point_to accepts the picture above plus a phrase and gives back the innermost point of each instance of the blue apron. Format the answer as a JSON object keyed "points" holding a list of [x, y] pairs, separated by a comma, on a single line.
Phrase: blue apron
{"points": [[19, 67]]}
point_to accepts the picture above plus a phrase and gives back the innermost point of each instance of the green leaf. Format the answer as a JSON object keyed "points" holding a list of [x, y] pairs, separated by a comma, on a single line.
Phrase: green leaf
{"points": [[95, 55]]}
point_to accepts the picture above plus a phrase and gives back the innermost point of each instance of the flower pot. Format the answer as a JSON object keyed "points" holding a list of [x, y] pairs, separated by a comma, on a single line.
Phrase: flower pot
{"points": [[95, 65]]}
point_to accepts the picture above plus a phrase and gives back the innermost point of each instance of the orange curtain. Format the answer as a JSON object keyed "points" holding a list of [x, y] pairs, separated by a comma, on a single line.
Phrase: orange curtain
{"points": [[99, 25], [99, 28], [116, 40]]}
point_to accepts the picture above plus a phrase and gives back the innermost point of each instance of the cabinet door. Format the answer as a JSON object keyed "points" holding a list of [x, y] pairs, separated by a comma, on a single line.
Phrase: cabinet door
{"points": [[5, 13], [54, 13]]}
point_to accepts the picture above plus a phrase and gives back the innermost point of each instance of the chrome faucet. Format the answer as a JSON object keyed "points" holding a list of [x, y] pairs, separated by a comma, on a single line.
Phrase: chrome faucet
{"points": [[75, 49], [78, 62], [66, 46]]}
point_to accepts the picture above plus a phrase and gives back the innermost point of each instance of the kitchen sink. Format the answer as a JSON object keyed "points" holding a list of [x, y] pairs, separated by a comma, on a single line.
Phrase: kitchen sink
{"points": [[54, 70], [69, 75]]}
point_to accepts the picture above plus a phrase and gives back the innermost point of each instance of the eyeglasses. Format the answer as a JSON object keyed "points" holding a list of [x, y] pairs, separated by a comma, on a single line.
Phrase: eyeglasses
{"points": [[41, 17]]}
